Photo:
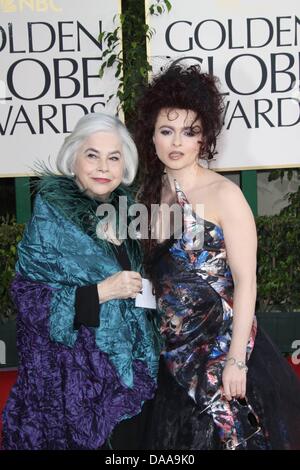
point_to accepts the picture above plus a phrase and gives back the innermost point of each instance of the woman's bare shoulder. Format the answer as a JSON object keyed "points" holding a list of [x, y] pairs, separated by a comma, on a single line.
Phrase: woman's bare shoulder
{"points": [[218, 182], [231, 201], [227, 190]]}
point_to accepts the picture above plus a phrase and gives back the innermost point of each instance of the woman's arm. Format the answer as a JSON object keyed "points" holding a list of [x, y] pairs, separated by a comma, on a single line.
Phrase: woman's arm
{"points": [[87, 307], [241, 244]]}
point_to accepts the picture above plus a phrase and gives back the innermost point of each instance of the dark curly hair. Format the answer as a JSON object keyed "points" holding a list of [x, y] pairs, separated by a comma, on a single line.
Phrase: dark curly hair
{"points": [[177, 87]]}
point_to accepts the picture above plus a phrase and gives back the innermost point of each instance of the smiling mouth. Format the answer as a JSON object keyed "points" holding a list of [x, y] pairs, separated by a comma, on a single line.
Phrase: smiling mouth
{"points": [[102, 180]]}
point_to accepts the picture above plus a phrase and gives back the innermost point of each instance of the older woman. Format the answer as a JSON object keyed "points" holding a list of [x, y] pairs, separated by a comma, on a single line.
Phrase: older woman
{"points": [[88, 356]]}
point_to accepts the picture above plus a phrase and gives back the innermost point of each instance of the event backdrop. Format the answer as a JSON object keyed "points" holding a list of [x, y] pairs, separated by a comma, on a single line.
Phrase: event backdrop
{"points": [[253, 47], [49, 62]]}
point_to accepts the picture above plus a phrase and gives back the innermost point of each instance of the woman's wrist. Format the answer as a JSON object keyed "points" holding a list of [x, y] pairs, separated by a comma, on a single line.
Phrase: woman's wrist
{"points": [[239, 356], [103, 292], [234, 361], [238, 351]]}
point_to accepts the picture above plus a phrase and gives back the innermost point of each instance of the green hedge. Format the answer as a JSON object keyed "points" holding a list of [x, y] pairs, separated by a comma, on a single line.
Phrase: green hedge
{"points": [[278, 262], [10, 235]]}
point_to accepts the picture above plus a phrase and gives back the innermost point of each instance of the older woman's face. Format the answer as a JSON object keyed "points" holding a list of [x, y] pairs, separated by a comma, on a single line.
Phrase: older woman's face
{"points": [[99, 164]]}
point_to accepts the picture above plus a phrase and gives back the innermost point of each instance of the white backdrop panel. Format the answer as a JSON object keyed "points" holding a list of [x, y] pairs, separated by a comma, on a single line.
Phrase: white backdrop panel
{"points": [[253, 47], [49, 62]]}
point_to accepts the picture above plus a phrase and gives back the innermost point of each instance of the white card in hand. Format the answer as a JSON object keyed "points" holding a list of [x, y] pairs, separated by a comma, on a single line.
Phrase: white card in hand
{"points": [[146, 299]]}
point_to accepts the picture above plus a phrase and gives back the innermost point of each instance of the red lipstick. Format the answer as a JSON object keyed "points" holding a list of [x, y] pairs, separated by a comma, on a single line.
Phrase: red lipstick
{"points": [[102, 180]]}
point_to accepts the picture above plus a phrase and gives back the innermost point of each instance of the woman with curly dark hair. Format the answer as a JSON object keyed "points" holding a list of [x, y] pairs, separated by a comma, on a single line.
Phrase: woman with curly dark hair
{"points": [[205, 283]]}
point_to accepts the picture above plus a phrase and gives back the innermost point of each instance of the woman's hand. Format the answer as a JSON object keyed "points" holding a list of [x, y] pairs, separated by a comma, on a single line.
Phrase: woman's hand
{"points": [[234, 381], [122, 285]]}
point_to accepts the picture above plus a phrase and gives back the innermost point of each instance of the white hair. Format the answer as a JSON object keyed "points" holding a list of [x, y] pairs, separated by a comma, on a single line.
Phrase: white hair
{"points": [[89, 124]]}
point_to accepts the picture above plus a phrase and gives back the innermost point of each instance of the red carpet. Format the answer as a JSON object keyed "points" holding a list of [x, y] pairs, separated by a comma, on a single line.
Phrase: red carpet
{"points": [[8, 378], [296, 367]]}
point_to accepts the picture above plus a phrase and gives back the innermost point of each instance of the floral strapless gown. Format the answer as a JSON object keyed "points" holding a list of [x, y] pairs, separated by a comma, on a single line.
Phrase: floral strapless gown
{"points": [[194, 289]]}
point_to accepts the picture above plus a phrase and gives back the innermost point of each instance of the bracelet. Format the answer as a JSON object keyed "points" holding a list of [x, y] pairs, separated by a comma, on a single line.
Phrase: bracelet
{"points": [[240, 364]]}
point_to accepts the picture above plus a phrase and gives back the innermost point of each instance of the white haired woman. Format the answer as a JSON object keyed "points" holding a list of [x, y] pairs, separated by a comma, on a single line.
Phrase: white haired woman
{"points": [[88, 355]]}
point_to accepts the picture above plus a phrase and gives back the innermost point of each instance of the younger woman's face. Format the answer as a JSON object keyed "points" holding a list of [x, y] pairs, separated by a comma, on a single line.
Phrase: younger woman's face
{"points": [[177, 138]]}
